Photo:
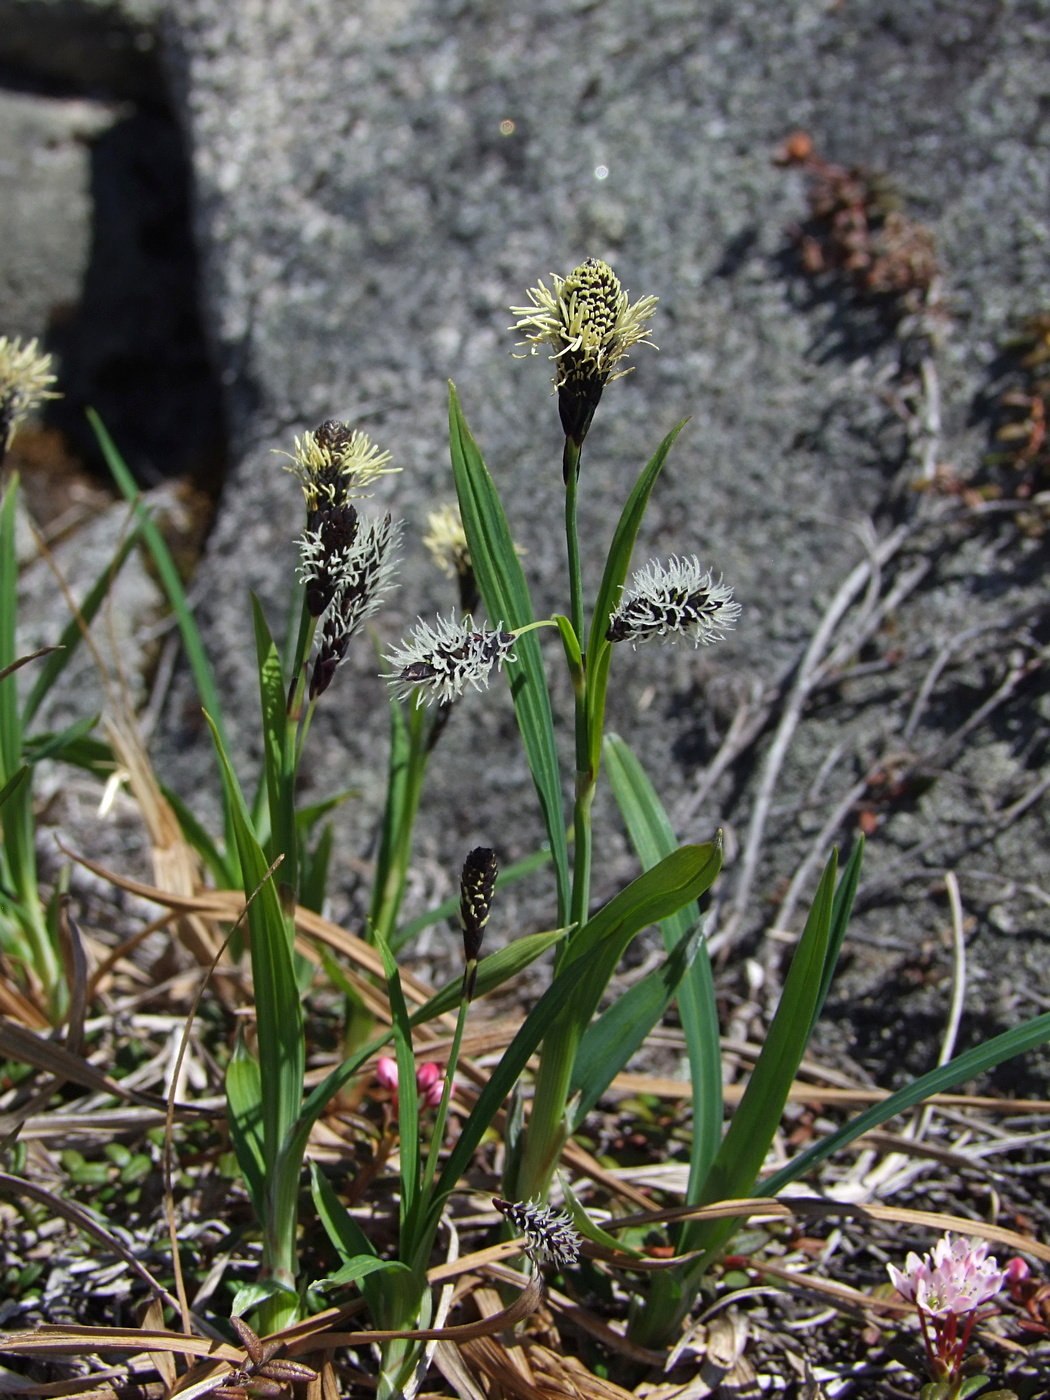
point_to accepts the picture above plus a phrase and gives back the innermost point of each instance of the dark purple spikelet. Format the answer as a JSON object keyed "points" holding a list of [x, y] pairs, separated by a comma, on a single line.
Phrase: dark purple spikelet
{"points": [[476, 886], [549, 1233]]}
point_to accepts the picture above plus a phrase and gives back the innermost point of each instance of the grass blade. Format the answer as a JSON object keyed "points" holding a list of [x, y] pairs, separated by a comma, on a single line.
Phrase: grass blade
{"points": [[277, 1006], [493, 971], [169, 576], [653, 838], [502, 583], [610, 1041], [938, 1081], [735, 1169], [244, 1116]]}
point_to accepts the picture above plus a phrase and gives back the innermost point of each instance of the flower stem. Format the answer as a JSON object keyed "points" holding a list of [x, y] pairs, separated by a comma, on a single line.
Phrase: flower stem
{"points": [[572, 539], [442, 1114]]}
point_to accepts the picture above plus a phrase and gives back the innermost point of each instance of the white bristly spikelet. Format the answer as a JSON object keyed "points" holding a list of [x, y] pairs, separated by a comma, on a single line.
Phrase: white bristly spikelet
{"points": [[549, 1233], [442, 660], [357, 578], [676, 600]]}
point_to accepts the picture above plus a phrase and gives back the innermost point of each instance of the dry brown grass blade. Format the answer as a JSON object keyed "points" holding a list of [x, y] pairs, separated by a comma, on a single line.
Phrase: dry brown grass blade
{"points": [[153, 1321], [51, 1340], [17, 1005], [757, 1207], [21, 661], [526, 1302], [227, 905], [176, 866], [529, 1369], [11, 1384], [17, 1043], [663, 1088]]}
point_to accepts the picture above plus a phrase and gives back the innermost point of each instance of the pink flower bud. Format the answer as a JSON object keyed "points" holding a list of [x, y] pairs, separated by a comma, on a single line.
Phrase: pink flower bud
{"points": [[430, 1085], [386, 1073]]}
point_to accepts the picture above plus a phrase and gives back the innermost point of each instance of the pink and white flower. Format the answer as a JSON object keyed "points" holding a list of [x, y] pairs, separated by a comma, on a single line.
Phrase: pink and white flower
{"points": [[957, 1278]]}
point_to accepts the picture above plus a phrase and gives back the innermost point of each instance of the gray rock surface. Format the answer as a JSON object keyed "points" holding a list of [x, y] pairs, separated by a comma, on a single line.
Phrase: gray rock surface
{"points": [[377, 183], [45, 206]]}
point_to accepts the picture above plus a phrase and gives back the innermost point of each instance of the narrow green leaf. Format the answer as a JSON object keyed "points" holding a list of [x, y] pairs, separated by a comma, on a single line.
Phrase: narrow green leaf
{"points": [[571, 646], [93, 755], [502, 583], [277, 1006], [72, 635], [280, 773], [348, 1240], [493, 971], [599, 650], [10, 719], [310, 813], [655, 895], [939, 1081], [357, 1270], [610, 1041], [313, 876], [653, 838], [840, 914], [244, 1116], [551, 1004], [590, 1229], [169, 575], [409, 751], [619, 558], [225, 876], [744, 1147], [14, 783], [56, 746]]}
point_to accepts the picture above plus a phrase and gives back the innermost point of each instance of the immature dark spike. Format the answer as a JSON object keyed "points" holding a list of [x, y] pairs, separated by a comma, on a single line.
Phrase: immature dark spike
{"points": [[476, 886]]}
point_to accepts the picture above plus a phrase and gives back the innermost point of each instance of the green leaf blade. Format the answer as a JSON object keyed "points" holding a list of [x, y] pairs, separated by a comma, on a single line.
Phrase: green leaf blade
{"points": [[505, 591], [653, 838]]}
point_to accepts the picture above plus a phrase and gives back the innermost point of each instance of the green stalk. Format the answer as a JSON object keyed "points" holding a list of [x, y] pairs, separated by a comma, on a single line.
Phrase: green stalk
{"points": [[586, 773], [572, 538], [441, 1117]]}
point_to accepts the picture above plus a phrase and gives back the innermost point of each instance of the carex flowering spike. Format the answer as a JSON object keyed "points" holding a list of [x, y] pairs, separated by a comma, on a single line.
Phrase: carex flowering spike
{"points": [[476, 886], [549, 1233], [440, 661], [590, 324], [336, 463], [25, 381], [677, 600], [360, 574]]}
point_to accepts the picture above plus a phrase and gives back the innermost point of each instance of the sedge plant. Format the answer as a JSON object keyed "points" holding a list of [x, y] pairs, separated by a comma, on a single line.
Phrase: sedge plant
{"points": [[588, 323]]}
